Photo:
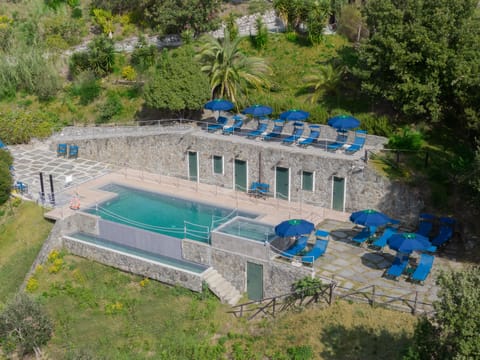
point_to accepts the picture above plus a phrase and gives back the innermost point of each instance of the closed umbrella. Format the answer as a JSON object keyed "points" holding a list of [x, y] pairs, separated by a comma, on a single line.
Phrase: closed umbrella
{"points": [[294, 227], [408, 242]]}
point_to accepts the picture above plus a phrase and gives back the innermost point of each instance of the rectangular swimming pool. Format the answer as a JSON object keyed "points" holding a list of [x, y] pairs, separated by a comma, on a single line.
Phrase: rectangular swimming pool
{"points": [[161, 213]]}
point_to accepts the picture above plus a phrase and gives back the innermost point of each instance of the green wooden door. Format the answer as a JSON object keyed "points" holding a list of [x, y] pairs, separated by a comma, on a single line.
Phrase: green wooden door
{"points": [[192, 166], [254, 281], [282, 184], [338, 193], [240, 175]]}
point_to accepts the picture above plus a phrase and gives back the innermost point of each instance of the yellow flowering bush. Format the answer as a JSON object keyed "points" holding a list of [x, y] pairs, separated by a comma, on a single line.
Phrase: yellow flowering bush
{"points": [[54, 254], [56, 266], [129, 73], [144, 282], [32, 285], [113, 308]]}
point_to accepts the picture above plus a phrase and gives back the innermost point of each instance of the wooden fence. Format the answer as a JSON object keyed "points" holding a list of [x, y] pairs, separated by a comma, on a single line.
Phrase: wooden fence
{"points": [[326, 294]]}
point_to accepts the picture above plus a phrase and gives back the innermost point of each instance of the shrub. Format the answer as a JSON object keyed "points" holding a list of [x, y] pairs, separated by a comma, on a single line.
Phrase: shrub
{"points": [[129, 73], [261, 38], [307, 286], [351, 22], [87, 87], [5, 181], [301, 352], [232, 26], [406, 139], [32, 285], [24, 326], [144, 55], [111, 107]]}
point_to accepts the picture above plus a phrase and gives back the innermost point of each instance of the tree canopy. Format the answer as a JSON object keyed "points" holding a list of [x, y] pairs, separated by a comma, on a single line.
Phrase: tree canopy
{"points": [[177, 83], [421, 56]]}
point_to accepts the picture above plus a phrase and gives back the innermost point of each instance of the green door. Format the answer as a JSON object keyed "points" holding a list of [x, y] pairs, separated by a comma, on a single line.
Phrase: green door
{"points": [[282, 183], [338, 193], [192, 166], [240, 175], [254, 281]]}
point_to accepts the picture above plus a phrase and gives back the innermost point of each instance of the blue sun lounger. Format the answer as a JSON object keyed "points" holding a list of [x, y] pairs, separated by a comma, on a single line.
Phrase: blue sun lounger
{"points": [[296, 134], [444, 234], [313, 137], [276, 131], [366, 233], [237, 125], [425, 225], [262, 127], [397, 268], [358, 142], [318, 249], [62, 150], [221, 122], [381, 242], [339, 142], [298, 246], [423, 269]]}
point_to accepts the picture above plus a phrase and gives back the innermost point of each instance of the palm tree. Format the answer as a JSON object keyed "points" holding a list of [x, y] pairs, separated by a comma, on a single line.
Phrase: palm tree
{"points": [[326, 81], [231, 72]]}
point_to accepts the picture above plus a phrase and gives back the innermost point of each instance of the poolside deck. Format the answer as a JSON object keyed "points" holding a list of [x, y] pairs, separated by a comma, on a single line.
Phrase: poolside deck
{"points": [[351, 266]]}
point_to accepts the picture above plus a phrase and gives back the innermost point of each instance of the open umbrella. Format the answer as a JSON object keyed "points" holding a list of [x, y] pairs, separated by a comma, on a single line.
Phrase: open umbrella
{"points": [[219, 105], [408, 242], [258, 110], [370, 217], [343, 122], [294, 115], [294, 227]]}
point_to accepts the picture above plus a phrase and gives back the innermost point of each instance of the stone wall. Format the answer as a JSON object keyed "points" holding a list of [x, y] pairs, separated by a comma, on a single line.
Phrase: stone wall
{"points": [[134, 265], [166, 154], [251, 248], [247, 24]]}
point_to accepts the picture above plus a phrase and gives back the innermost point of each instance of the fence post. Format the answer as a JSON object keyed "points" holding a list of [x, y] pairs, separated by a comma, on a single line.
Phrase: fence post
{"points": [[414, 310], [373, 296], [273, 308], [331, 295], [365, 159]]}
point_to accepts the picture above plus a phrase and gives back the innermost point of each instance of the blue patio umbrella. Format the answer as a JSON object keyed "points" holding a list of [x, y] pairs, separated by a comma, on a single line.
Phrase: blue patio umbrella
{"points": [[294, 115], [343, 122], [258, 110], [219, 105], [294, 227], [408, 242], [370, 217]]}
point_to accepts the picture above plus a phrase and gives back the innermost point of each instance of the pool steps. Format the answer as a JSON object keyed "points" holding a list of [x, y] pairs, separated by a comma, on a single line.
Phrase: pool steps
{"points": [[223, 289]]}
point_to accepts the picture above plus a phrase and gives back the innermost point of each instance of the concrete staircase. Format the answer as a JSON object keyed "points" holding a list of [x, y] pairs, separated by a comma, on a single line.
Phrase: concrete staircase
{"points": [[224, 290]]}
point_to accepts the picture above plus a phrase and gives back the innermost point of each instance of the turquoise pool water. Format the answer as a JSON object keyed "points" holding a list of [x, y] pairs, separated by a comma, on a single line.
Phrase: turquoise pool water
{"points": [[249, 229], [181, 264], [160, 213]]}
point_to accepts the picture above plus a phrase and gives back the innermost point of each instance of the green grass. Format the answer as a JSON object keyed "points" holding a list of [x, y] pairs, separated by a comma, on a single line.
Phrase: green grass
{"points": [[22, 233], [104, 313]]}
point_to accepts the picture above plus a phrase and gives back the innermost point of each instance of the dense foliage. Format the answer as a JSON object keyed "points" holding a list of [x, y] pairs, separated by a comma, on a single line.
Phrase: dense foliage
{"points": [[99, 58], [6, 161], [421, 56], [176, 83], [454, 332], [24, 326]]}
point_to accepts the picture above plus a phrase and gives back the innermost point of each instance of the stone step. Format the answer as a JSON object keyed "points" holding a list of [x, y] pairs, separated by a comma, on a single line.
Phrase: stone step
{"points": [[223, 289]]}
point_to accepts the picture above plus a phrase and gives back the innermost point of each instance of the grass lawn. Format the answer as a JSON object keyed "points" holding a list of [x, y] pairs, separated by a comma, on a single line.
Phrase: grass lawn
{"points": [[23, 230]]}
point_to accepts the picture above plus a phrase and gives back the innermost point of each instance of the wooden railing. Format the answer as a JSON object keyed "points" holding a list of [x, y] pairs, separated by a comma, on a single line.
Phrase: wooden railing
{"points": [[327, 293]]}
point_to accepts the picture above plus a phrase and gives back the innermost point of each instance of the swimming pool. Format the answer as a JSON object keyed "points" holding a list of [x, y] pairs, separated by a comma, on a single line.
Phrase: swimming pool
{"points": [[166, 260], [161, 213], [248, 229]]}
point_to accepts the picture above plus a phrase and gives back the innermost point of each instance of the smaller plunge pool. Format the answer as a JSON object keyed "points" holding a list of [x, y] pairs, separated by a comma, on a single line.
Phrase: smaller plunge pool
{"points": [[248, 229]]}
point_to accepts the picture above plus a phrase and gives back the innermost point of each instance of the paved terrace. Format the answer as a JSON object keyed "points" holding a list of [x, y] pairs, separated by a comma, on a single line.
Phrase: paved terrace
{"points": [[350, 265]]}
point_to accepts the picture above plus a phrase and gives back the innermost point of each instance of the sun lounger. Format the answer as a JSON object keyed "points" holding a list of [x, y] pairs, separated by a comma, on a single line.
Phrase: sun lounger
{"points": [[276, 131], [318, 249], [397, 268], [235, 127], [381, 242], [425, 225], [61, 149], [423, 269], [259, 189], [358, 142], [221, 122], [313, 137], [298, 246], [73, 151], [262, 127], [366, 233], [339, 142], [444, 234], [296, 134]]}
